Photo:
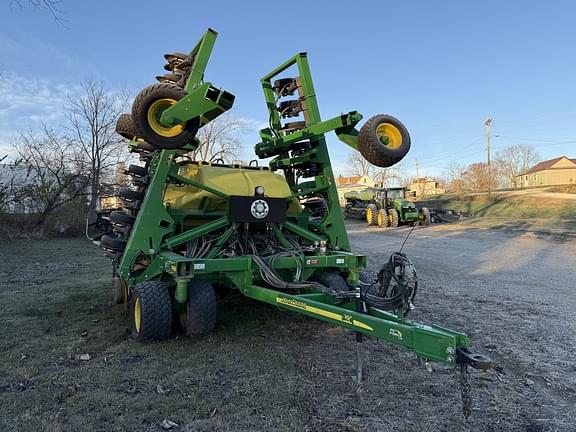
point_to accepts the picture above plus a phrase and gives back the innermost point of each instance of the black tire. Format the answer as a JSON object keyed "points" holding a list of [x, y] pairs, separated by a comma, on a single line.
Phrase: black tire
{"points": [[382, 218], [372, 214], [374, 150], [153, 300], [121, 218], [159, 137], [316, 206], [424, 216], [112, 243], [137, 170], [200, 308], [141, 181], [332, 280], [130, 195], [393, 219], [366, 277], [120, 290], [126, 127]]}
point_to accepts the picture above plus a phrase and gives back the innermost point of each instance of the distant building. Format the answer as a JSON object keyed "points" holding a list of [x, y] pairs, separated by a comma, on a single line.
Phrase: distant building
{"points": [[559, 171], [425, 186], [354, 183]]}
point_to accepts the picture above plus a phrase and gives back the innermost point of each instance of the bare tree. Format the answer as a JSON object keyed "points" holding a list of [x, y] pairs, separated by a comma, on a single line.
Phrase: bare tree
{"points": [[52, 6], [55, 171], [452, 176], [387, 176], [92, 118], [359, 166], [381, 176], [477, 176], [516, 159], [9, 182], [220, 139]]}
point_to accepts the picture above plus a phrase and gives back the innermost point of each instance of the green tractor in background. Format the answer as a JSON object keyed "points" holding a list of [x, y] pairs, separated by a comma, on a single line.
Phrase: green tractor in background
{"points": [[387, 207]]}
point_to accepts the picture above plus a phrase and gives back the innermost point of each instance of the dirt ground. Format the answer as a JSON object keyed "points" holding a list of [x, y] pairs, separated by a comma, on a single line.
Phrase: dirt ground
{"points": [[264, 369]]}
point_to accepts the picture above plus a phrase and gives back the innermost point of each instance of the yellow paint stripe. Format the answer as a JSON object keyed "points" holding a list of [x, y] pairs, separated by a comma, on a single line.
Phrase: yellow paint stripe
{"points": [[312, 309], [362, 325]]}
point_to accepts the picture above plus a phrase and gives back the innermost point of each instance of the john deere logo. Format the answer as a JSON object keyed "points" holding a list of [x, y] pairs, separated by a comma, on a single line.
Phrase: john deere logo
{"points": [[259, 209]]}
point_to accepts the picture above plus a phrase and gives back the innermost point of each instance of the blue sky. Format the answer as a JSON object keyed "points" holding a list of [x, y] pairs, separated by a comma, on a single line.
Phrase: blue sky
{"points": [[442, 67]]}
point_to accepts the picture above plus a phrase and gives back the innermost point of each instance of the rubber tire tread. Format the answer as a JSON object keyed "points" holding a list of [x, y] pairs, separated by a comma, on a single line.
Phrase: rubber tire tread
{"points": [[384, 218], [395, 218], [366, 277], [156, 307], [140, 115], [137, 170], [130, 194], [374, 220], [200, 308], [126, 127], [373, 150], [332, 280], [121, 218], [113, 243]]}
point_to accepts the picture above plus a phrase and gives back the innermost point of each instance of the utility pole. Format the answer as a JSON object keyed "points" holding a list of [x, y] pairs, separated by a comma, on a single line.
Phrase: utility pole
{"points": [[488, 124], [418, 176]]}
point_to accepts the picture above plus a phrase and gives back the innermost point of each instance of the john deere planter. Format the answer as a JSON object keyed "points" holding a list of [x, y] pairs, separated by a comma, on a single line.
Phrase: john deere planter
{"points": [[275, 233]]}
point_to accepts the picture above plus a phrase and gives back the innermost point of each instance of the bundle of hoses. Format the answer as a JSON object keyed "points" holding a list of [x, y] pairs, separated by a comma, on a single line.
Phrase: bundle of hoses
{"points": [[273, 279], [393, 288]]}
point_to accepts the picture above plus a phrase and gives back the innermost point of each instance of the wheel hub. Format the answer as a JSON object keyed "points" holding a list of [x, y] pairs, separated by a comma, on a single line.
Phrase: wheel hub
{"points": [[155, 113]]}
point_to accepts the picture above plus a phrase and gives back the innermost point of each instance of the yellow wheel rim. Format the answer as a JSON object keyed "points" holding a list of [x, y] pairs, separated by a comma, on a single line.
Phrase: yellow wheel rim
{"points": [[388, 130], [137, 315], [369, 215], [155, 112], [379, 219]]}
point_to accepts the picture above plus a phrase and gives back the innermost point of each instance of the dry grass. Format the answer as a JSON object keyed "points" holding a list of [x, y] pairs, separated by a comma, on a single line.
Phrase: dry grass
{"points": [[261, 370]]}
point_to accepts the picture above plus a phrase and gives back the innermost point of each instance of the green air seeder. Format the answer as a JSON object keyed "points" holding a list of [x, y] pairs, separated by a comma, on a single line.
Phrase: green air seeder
{"points": [[275, 233]]}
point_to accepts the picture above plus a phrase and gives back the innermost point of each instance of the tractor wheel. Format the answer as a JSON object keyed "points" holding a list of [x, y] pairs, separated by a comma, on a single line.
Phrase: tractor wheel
{"points": [[126, 127], [393, 219], [382, 218], [112, 243], [332, 280], [136, 170], [424, 216], [121, 218], [130, 195], [200, 308], [151, 311], [372, 214], [383, 140], [149, 106]]}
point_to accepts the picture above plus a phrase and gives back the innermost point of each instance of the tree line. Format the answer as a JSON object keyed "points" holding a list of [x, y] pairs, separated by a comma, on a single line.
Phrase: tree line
{"points": [[456, 177], [63, 170]]}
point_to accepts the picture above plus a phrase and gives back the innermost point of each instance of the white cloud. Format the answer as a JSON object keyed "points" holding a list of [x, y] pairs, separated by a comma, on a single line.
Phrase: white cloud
{"points": [[27, 102]]}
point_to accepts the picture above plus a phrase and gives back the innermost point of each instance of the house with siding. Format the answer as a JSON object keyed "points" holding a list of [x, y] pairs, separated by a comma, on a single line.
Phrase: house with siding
{"points": [[558, 171]]}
